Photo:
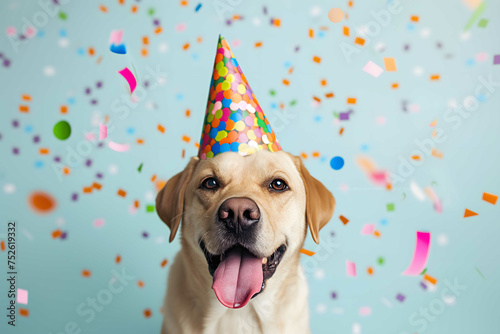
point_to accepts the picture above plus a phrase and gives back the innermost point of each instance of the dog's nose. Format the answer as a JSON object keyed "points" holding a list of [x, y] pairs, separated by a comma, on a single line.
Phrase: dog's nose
{"points": [[239, 213]]}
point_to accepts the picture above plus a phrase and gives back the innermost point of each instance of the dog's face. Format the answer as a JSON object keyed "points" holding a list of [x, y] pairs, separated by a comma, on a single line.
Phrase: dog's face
{"points": [[244, 216]]}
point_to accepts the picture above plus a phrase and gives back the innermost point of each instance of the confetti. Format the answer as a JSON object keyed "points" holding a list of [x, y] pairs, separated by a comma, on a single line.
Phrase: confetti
{"points": [[22, 296], [42, 202], [103, 131], [118, 147], [490, 198], [420, 254], [367, 229], [390, 64], [337, 163], [307, 252], [62, 130], [475, 16], [469, 213], [350, 268], [343, 219], [373, 69], [130, 78], [335, 15]]}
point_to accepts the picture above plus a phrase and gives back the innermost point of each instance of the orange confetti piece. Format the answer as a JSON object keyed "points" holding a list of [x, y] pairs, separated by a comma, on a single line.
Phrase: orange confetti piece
{"points": [[344, 219], [158, 30], [323, 82], [161, 128], [185, 138], [136, 204], [56, 234], [87, 190], [346, 31], [164, 263], [96, 185], [185, 46], [315, 154], [376, 233], [258, 44], [145, 40], [390, 64], [435, 77], [414, 18], [64, 109], [416, 157], [103, 8], [188, 112], [86, 273], [316, 59], [122, 193], [286, 82], [153, 178], [144, 52], [184, 3], [121, 2], [350, 4], [23, 108], [329, 95], [24, 312], [140, 141], [118, 259], [351, 100], [303, 155], [307, 252], [369, 270], [66, 170], [199, 39], [2, 245], [490, 198], [395, 85], [147, 313], [311, 33], [140, 284], [276, 22], [438, 154], [341, 131], [133, 9], [430, 279], [359, 41], [26, 97], [91, 51], [469, 213], [183, 154], [317, 99], [44, 151]]}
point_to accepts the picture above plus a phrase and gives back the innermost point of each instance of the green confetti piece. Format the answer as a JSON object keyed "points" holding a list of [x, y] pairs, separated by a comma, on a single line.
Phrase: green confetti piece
{"points": [[139, 169], [63, 16], [272, 92], [482, 23], [381, 260], [424, 271], [150, 208], [336, 114], [390, 207], [480, 273], [151, 11], [479, 11], [294, 102]]}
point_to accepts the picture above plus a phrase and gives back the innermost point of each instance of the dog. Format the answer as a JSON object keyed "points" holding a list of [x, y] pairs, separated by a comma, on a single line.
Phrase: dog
{"points": [[244, 222]]}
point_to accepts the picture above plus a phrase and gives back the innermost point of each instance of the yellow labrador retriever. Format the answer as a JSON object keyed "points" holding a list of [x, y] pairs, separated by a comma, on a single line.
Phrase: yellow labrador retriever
{"points": [[244, 221]]}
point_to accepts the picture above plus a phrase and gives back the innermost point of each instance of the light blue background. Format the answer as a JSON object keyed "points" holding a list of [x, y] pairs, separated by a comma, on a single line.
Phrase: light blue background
{"points": [[50, 269]]}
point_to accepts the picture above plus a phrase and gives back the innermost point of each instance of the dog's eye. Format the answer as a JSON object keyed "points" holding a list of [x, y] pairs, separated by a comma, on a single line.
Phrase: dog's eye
{"points": [[210, 184], [278, 185]]}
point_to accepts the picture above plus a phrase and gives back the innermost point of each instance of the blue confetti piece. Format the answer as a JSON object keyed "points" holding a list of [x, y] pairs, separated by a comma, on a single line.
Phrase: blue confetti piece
{"points": [[38, 164], [337, 163], [287, 64], [318, 118], [40, 33], [197, 7], [321, 34], [179, 97], [274, 105], [62, 33], [28, 128], [118, 49], [364, 147], [482, 97], [470, 62], [130, 131], [194, 56], [80, 51], [383, 221], [322, 159], [71, 100], [411, 26]]}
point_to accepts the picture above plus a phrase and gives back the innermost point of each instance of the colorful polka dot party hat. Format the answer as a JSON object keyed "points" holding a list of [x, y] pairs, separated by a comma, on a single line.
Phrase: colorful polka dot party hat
{"points": [[234, 120]]}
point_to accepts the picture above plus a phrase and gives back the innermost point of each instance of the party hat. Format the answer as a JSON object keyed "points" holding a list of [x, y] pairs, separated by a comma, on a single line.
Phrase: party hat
{"points": [[234, 120]]}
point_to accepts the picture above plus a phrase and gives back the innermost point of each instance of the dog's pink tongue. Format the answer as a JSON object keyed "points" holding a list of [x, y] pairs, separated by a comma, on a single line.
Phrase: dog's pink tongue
{"points": [[237, 278]]}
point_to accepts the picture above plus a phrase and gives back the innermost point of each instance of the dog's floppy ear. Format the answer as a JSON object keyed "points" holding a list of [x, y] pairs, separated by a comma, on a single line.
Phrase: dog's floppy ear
{"points": [[320, 203], [170, 200]]}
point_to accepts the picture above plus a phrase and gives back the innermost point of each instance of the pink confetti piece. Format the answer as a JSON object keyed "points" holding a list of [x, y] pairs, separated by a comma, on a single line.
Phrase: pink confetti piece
{"points": [[130, 78], [10, 31], [90, 136], [116, 37], [350, 268], [103, 131], [30, 31], [365, 310], [236, 43], [118, 147], [367, 229], [481, 56], [420, 255], [373, 69], [435, 199], [180, 27], [99, 222], [22, 296]]}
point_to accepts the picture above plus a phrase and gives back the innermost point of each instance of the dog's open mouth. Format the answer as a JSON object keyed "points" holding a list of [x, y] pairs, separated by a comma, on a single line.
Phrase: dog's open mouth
{"points": [[239, 275]]}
